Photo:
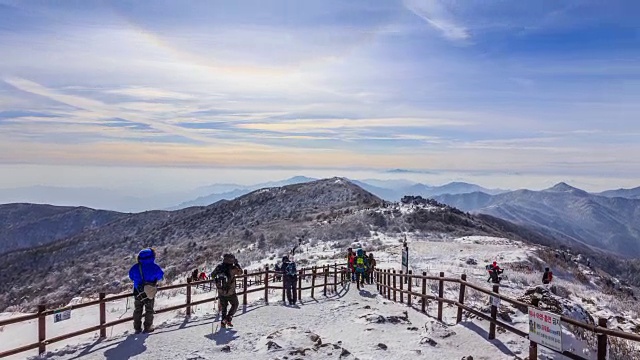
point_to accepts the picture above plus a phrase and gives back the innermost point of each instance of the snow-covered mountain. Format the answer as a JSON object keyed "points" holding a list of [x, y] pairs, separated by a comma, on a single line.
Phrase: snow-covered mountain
{"points": [[624, 193], [325, 210], [611, 224], [390, 190], [233, 191]]}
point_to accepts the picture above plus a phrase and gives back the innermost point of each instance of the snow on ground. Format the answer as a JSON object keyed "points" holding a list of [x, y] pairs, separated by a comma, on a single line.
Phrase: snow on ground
{"points": [[348, 325], [345, 318]]}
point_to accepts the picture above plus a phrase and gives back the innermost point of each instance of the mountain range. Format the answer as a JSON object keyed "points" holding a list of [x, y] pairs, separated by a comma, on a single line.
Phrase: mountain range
{"points": [[334, 210], [608, 223]]}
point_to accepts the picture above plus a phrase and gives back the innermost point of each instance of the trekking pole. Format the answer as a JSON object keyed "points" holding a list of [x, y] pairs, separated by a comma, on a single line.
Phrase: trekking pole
{"points": [[216, 320]]}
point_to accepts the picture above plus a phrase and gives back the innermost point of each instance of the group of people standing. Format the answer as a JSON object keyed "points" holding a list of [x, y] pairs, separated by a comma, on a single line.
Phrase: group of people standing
{"points": [[361, 266], [146, 274]]}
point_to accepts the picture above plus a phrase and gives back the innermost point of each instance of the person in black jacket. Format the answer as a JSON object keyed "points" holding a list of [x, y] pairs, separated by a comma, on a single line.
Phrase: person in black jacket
{"points": [[225, 279], [290, 278]]}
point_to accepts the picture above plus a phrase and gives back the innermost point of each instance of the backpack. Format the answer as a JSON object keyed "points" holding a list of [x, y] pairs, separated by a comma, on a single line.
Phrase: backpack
{"points": [[360, 263], [222, 280], [290, 269]]}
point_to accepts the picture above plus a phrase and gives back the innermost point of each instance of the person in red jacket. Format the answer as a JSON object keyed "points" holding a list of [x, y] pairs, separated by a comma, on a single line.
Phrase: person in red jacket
{"points": [[547, 276], [351, 259]]}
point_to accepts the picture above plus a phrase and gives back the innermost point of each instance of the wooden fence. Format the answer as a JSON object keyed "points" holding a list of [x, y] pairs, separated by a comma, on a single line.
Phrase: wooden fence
{"points": [[389, 286], [332, 276]]}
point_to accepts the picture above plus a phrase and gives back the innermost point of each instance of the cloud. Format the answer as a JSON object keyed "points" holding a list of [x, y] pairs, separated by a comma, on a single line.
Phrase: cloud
{"points": [[307, 125], [149, 93], [436, 14]]}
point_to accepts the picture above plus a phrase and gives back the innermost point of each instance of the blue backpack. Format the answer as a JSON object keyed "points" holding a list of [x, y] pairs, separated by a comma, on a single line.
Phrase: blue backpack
{"points": [[290, 269]]}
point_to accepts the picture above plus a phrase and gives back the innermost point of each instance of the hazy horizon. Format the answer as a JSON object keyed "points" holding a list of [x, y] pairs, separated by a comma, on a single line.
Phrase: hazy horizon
{"points": [[502, 94], [158, 180]]}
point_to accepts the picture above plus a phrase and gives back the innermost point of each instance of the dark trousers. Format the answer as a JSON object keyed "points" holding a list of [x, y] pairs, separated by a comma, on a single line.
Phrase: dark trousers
{"points": [[138, 305], [224, 303], [291, 288], [360, 276]]}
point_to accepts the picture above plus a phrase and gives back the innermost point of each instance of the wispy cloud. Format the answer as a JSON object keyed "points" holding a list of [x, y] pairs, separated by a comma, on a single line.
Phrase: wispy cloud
{"points": [[435, 13], [329, 83]]}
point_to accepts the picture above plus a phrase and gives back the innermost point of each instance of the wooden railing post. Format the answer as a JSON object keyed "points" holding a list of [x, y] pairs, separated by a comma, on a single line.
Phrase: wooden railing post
{"points": [[389, 284], [394, 287], [602, 340], [440, 296], [313, 282], [335, 278], [410, 278], [300, 274], [401, 287], [244, 284], [494, 315], [325, 269], [42, 329], [284, 290], [533, 347], [103, 315], [461, 298], [266, 284], [188, 296], [424, 292]]}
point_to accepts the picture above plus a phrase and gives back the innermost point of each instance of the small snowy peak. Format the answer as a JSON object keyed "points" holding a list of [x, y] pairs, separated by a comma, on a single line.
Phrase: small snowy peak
{"points": [[563, 187]]}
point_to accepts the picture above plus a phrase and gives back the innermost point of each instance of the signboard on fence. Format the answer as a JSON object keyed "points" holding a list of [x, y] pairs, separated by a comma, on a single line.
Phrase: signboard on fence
{"points": [[545, 329], [494, 301], [61, 315]]}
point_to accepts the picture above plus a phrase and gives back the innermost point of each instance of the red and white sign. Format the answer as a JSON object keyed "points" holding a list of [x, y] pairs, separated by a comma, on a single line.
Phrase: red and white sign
{"points": [[545, 329]]}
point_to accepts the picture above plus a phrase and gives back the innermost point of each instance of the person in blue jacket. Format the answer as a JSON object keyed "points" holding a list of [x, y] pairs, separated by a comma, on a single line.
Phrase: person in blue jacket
{"points": [[145, 275]]}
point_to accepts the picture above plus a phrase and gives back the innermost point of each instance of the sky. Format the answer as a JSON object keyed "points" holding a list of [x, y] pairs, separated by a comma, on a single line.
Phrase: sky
{"points": [[504, 93]]}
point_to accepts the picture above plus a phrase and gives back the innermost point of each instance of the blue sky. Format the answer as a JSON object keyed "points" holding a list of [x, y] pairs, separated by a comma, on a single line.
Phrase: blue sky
{"points": [[549, 90]]}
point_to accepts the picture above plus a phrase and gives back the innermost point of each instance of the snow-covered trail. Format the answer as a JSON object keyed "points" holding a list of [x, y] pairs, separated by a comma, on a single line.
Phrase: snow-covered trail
{"points": [[351, 324]]}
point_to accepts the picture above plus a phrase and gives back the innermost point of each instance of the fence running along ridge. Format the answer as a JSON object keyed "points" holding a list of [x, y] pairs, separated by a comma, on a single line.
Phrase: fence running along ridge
{"points": [[388, 286], [337, 272]]}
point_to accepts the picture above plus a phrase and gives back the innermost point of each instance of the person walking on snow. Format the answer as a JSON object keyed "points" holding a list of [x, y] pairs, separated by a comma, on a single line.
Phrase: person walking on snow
{"points": [[290, 279], [371, 267], [351, 257], [145, 275], [225, 279], [360, 267]]}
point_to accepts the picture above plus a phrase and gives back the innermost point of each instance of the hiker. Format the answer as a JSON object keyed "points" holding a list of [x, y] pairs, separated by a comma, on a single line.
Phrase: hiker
{"points": [[225, 279], [290, 279], [145, 275], [360, 267], [547, 276], [194, 275], [203, 276], [371, 268], [494, 271], [351, 256], [278, 276]]}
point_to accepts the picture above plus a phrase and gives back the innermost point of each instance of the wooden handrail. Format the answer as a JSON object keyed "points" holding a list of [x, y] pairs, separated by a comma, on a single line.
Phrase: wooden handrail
{"points": [[104, 299], [387, 287]]}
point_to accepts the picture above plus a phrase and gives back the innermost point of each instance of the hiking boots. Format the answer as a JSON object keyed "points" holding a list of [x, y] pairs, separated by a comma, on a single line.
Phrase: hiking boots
{"points": [[150, 329]]}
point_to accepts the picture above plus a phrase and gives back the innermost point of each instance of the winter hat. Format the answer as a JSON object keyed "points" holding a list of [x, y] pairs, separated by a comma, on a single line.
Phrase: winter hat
{"points": [[228, 258]]}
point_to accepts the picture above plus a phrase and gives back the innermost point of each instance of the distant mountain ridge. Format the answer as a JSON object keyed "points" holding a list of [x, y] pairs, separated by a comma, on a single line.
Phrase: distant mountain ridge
{"points": [[624, 193], [24, 226], [390, 190], [611, 224]]}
